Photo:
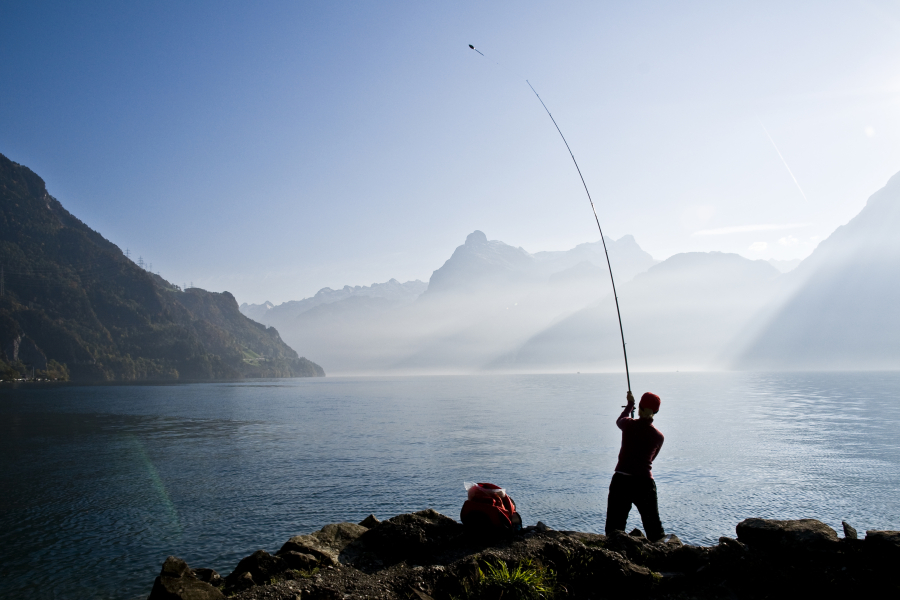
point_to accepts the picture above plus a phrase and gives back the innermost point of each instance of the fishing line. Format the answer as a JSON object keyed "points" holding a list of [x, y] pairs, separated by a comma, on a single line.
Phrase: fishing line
{"points": [[596, 219]]}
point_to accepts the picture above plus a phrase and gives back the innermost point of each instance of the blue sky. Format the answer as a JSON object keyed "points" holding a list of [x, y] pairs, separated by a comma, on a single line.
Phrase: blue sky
{"points": [[274, 148]]}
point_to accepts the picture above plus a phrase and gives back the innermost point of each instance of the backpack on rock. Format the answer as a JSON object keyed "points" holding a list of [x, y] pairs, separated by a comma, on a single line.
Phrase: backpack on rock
{"points": [[489, 507]]}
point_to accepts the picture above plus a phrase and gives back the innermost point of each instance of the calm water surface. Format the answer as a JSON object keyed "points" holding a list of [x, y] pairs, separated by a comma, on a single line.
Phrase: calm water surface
{"points": [[99, 484]]}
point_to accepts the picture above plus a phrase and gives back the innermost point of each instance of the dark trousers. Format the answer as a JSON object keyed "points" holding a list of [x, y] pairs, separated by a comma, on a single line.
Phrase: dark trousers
{"points": [[625, 490]]}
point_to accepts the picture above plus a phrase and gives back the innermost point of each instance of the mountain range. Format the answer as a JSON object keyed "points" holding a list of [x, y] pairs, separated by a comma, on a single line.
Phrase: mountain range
{"points": [[73, 306], [495, 307], [484, 301]]}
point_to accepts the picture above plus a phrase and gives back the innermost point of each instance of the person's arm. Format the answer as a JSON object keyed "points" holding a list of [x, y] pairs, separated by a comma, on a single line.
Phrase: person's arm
{"points": [[627, 412], [658, 448]]}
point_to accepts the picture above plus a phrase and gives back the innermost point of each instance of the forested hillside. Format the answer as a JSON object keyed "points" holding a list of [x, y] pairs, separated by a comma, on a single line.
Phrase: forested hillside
{"points": [[73, 306]]}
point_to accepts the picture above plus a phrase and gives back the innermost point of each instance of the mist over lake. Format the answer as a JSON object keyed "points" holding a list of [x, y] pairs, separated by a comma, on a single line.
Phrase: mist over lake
{"points": [[103, 482]]}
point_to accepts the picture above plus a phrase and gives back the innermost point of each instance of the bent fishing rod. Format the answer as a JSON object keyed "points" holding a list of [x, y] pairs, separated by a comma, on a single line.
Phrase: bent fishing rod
{"points": [[596, 219]]}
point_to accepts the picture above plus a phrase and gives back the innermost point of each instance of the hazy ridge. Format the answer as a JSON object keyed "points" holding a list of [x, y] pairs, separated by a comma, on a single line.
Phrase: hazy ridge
{"points": [[495, 307], [840, 309]]}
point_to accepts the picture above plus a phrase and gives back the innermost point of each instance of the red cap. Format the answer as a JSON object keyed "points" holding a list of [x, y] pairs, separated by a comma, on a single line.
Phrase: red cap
{"points": [[650, 401]]}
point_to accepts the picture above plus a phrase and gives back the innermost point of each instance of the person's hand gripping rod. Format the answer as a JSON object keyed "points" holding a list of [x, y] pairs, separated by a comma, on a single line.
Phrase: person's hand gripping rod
{"points": [[629, 398]]}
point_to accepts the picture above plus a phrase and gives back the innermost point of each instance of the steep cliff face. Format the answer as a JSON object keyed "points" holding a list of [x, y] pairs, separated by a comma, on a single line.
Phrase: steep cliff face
{"points": [[842, 313], [79, 307]]}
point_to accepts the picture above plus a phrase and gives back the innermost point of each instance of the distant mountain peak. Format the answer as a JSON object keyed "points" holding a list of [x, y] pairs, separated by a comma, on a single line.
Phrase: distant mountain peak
{"points": [[475, 238], [480, 262]]}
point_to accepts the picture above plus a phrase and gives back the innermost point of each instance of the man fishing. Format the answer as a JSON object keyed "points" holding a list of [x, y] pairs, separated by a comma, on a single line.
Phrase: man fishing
{"points": [[632, 483]]}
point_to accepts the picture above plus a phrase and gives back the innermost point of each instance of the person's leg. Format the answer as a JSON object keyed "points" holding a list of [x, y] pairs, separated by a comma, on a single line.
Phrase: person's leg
{"points": [[646, 501], [618, 503]]}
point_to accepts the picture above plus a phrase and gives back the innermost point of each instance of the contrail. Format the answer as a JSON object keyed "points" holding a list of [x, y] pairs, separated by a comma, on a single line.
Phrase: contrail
{"points": [[782, 158]]}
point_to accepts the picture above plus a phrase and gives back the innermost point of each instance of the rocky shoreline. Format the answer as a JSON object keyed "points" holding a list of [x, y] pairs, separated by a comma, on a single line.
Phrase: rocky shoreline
{"points": [[427, 555]]}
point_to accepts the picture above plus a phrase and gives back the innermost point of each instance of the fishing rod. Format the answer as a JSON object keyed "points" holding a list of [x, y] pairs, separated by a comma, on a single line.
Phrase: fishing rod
{"points": [[596, 219]]}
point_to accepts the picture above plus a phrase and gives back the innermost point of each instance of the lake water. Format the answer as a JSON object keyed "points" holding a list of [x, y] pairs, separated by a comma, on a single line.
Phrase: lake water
{"points": [[101, 483]]}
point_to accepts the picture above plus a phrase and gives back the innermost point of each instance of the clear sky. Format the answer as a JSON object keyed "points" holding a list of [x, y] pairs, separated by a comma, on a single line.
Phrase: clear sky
{"points": [[274, 148]]}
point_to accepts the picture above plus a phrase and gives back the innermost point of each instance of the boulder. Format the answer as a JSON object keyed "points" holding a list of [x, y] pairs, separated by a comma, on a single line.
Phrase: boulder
{"points": [[607, 574], [299, 561], [672, 540], [771, 534], [849, 532], [415, 537], [261, 565], [370, 521], [209, 576], [884, 543], [242, 582], [626, 544], [327, 544], [732, 544], [176, 581]]}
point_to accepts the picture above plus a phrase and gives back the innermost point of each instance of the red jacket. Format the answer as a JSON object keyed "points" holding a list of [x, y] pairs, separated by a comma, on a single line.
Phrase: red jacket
{"points": [[641, 442]]}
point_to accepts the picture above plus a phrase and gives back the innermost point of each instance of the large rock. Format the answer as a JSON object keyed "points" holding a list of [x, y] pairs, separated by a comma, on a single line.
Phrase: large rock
{"points": [[261, 565], [627, 545], [327, 544], [415, 537], [884, 543], [771, 534], [209, 576], [370, 521], [593, 572], [299, 561], [177, 582], [849, 531]]}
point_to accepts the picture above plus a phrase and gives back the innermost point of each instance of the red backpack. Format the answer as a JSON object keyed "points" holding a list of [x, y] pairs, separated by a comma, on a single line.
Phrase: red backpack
{"points": [[489, 506]]}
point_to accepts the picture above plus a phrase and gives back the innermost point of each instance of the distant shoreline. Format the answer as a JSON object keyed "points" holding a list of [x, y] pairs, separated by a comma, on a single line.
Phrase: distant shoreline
{"points": [[151, 382]]}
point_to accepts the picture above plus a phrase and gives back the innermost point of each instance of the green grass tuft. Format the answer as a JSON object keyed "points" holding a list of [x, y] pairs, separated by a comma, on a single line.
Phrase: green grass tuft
{"points": [[525, 582]]}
